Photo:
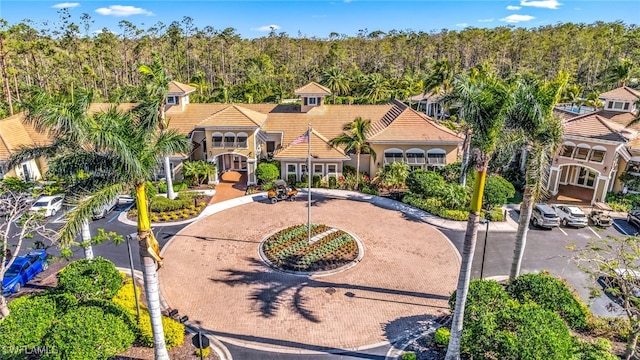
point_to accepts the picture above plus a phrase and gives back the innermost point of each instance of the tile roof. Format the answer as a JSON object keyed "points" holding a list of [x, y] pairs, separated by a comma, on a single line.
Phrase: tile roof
{"points": [[234, 115], [313, 88], [621, 93], [403, 124], [564, 114], [320, 149], [595, 126], [176, 88], [14, 133]]}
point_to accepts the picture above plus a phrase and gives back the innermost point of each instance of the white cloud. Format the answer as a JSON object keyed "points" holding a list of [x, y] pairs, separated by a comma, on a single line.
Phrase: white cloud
{"points": [[267, 28], [462, 25], [123, 10], [65, 5], [485, 20], [513, 7], [547, 4], [515, 18]]}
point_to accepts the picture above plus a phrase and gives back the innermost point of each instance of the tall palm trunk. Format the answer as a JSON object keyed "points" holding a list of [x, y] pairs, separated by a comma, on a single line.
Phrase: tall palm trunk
{"points": [[167, 175], [145, 238], [465, 156], [357, 169], [4, 307], [86, 240], [521, 234], [468, 249]]}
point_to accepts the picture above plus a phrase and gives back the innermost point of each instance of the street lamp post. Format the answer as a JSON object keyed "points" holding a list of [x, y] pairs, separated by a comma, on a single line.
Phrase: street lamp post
{"points": [[130, 237], [484, 246]]}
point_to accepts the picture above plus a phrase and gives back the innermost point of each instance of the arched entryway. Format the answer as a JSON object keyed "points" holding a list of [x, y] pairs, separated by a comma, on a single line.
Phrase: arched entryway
{"points": [[578, 183], [231, 162]]}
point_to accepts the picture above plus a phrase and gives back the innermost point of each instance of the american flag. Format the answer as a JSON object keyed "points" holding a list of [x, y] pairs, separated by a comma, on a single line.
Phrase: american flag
{"points": [[302, 139]]}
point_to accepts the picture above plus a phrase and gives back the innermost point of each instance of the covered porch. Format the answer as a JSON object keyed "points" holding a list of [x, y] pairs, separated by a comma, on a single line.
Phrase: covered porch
{"points": [[577, 184], [234, 162]]}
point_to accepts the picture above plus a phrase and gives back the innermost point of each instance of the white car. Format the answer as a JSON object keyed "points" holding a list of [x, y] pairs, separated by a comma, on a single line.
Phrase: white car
{"points": [[571, 215], [102, 212], [47, 205]]}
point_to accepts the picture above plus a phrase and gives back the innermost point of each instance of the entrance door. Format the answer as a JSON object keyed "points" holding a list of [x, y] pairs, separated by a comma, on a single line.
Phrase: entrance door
{"points": [[586, 177], [239, 162]]}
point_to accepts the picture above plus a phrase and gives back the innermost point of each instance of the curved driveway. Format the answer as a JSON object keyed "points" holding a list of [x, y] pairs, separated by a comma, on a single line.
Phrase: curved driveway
{"points": [[213, 274]]}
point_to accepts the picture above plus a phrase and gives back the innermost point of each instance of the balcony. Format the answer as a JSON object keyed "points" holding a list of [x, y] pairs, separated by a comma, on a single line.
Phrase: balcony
{"points": [[437, 161], [229, 144], [415, 160], [392, 159], [218, 144]]}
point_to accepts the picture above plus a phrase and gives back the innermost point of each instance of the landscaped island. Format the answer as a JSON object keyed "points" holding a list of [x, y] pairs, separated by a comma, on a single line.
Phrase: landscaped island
{"points": [[329, 249]]}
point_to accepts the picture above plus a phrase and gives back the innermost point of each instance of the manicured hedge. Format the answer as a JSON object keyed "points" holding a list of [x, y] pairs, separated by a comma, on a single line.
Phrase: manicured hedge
{"points": [[90, 279], [551, 294], [173, 330], [163, 204], [28, 322], [267, 172], [177, 186]]}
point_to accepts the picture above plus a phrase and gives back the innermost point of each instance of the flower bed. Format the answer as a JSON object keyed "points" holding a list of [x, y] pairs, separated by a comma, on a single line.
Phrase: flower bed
{"points": [[289, 249], [185, 206]]}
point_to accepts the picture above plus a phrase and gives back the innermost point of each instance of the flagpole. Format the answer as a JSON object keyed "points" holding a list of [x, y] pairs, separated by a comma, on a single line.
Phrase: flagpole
{"points": [[309, 189]]}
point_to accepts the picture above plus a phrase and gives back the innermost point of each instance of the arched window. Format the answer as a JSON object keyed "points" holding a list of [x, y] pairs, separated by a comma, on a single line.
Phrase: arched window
{"points": [[242, 140], [567, 149], [229, 140], [393, 155], [415, 156], [217, 140], [582, 152], [597, 154], [436, 157]]}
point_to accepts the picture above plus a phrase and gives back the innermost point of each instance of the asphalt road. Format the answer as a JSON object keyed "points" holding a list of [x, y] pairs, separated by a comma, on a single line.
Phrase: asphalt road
{"points": [[545, 250]]}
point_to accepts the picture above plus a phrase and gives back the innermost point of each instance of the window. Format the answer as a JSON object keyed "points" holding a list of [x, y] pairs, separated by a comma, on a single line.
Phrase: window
{"points": [[610, 105], [617, 105], [242, 141], [217, 140], [172, 100], [626, 106], [567, 150], [271, 146], [436, 157], [393, 155], [581, 153], [415, 156], [332, 169], [633, 167], [312, 101], [586, 177], [229, 140], [318, 169], [597, 154]]}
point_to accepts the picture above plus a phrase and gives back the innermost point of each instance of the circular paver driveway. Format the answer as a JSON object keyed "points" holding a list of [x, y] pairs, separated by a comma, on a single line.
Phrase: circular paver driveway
{"points": [[213, 274]]}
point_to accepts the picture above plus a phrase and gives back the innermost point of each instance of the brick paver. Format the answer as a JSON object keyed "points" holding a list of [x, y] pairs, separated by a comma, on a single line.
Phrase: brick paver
{"points": [[214, 275], [232, 185]]}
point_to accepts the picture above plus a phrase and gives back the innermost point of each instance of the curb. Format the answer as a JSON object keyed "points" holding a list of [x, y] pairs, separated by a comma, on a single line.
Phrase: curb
{"points": [[398, 348], [215, 344]]}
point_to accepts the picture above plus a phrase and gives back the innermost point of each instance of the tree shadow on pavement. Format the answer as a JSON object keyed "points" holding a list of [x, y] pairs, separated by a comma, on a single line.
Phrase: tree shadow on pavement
{"points": [[275, 289]]}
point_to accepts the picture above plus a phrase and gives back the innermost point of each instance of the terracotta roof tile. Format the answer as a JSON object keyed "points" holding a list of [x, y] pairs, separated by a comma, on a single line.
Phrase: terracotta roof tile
{"points": [[564, 114], [234, 115], [621, 93], [14, 133], [313, 88], [176, 88], [594, 126], [320, 149]]}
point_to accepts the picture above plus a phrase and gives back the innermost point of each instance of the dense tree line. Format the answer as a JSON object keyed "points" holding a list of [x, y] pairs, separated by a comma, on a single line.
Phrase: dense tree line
{"points": [[368, 67]]}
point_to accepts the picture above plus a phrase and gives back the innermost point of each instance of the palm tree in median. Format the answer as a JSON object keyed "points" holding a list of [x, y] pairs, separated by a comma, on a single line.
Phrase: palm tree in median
{"points": [[484, 101], [120, 151], [64, 120], [157, 90], [540, 132], [354, 139]]}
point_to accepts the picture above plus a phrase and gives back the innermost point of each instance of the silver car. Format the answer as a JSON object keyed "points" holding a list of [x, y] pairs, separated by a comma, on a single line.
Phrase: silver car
{"points": [[543, 215], [571, 215]]}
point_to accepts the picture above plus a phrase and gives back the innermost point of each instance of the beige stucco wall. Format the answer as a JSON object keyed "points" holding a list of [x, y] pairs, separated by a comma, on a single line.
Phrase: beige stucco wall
{"points": [[603, 168]]}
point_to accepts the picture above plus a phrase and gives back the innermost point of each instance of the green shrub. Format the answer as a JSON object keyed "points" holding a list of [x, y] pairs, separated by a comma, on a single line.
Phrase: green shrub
{"points": [[367, 190], [458, 215], [267, 186], [497, 191], [177, 186], [441, 337], [28, 322], [173, 330], [485, 295], [16, 184], [202, 353], [598, 350], [551, 294], [291, 179], [88, 332], [495, 214], [409, 356], [90, 279], [315, 181], [612, 327], [425, 183], [267, 172], [451, 172], [333, 182], [163, 204]]}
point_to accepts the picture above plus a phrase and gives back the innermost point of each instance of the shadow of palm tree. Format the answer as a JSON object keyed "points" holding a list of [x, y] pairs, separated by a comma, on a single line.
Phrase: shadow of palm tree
{"points": [[274, 289]]}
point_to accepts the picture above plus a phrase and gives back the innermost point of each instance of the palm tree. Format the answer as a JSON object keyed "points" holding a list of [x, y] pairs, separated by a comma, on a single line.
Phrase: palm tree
{"points": [[120, 151], [573, 94], [439, 82], [354, 139], [376, 88], [336, 81], [63, 119], [541, 132], [155, 97], [620, 72], [483, 100]]}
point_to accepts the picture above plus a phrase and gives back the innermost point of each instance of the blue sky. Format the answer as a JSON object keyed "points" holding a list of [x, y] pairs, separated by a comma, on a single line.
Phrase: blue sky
{"points": [[321, 17]]}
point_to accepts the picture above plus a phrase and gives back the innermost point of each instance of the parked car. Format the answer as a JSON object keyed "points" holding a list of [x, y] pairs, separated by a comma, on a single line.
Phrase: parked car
{"points": [[48, 205], [107, 208], [544, 216], [633, 218], [23, 269], [612, 287], [571, 215]]}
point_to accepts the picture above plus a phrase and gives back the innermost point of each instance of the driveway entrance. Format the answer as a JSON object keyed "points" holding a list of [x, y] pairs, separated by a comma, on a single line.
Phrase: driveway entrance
{"points": [[232, 184]]}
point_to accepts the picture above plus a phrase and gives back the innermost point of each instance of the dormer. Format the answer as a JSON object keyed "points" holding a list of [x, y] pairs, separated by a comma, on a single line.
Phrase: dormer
{"points": [[622, 99], [179, 94], [312, 95]]}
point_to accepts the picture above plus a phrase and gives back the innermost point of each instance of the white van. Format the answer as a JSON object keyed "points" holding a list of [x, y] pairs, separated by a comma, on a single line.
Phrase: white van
{"points": [[107, 208]]}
